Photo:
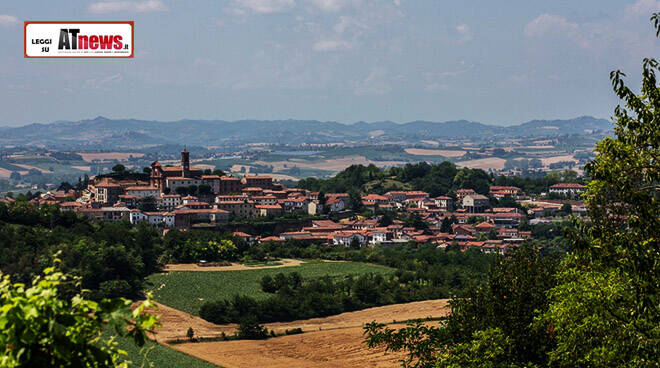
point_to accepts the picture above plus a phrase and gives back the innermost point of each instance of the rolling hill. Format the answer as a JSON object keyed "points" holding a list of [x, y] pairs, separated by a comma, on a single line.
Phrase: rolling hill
{"points": [[132, 133]]}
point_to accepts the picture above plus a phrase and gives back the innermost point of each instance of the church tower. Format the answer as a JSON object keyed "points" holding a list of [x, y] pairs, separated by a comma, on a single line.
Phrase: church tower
{"points": [[185, 163]]}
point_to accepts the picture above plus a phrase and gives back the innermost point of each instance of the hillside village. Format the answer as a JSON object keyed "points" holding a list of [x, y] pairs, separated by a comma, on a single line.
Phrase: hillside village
{"points": [[185, 197]]}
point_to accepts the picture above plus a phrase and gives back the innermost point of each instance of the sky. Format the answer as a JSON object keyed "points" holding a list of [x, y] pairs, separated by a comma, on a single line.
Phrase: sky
{"points": [[496, 62]]}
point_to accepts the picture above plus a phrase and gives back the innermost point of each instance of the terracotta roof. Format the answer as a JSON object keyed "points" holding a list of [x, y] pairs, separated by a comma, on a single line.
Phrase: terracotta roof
{"points": [[272, 238], [485, 225], [495, 187], [268, 206], [179, 178], [141, 188], [476, 196], [568, 186]]}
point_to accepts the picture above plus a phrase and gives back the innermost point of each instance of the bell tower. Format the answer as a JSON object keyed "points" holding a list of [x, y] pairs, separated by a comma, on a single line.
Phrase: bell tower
{"points": [[185, 163]]}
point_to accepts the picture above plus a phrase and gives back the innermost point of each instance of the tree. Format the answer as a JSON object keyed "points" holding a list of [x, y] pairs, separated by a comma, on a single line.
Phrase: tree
{"points": [[385, 219], [42, 328], [445, 226], [355, 243], [355, 201], [250, 329], [502, 310], [205, 189], [65, 186], [606, 309], [119, 168], [190, 333], [147, 204], [567, 208]]}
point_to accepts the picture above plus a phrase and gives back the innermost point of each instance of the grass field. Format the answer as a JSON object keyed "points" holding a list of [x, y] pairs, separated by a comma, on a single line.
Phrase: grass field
{"points": [[159, 356], [188, 290]]}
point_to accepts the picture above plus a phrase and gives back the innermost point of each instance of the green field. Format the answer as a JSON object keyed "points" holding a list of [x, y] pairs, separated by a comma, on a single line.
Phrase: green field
{"points": [[159, 356], [188, 290]]}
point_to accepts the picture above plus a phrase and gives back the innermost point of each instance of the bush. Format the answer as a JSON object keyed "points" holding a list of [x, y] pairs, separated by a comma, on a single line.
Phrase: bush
{"points": [[293, 331], [250, 329]]}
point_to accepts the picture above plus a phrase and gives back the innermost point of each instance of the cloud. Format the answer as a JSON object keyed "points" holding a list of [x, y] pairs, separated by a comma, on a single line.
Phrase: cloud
{"points": [[202, 61], [331, 45], [464, 33], [331, 5], [146, 6], [96, 83], [449, 73], [8, 20], [643, 8], [349, 24], [374, 84], [264, 6], [436, 87], [548, 24]]}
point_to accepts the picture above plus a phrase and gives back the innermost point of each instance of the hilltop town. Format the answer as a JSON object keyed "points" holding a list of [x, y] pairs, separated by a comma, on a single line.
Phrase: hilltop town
{"points": [[186, 197]]}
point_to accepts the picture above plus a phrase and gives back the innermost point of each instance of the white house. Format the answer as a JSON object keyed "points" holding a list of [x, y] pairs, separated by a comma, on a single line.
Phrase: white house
{"points": [[345, 238], [143, 191], [567, 189]]}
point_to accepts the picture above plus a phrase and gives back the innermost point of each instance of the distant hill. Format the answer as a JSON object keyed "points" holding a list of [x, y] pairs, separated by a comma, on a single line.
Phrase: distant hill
{"points": [[132, 133]]}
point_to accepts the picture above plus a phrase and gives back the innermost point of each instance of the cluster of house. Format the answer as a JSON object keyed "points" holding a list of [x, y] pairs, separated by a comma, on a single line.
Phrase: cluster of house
{"points": [[496, 231], [219, 199]]}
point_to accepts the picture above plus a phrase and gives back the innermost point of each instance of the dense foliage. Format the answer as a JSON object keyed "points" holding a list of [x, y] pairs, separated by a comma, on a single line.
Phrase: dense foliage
{"points": [[606, 309], [502, 307], [42, 328], [436, 179], [294, 299], [111, 258], [422, 273]]}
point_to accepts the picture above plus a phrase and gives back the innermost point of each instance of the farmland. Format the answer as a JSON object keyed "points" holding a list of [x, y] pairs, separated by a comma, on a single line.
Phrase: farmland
{"points": [[335, 341], [188, 290], [158, 356]]}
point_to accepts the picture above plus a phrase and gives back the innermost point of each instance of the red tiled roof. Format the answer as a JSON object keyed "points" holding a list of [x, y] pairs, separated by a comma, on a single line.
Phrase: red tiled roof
{"points": [[272, 238], [568, 186], [485, 225], [268, 206], [241, 234], [137, 187]]}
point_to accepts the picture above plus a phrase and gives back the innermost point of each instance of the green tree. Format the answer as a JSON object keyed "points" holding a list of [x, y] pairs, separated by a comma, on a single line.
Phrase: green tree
{"points": [[148, 204], [41, 328], [119, 168], [605, 312], [250, 329], [502, 309]]}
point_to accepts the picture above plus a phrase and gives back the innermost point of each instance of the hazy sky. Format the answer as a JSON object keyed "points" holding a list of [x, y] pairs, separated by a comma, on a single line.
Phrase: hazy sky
{"points": [[498, 62]]}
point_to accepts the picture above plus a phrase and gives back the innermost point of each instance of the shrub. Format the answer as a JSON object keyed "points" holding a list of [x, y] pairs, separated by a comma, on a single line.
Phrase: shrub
{"points": [[250, 329]]}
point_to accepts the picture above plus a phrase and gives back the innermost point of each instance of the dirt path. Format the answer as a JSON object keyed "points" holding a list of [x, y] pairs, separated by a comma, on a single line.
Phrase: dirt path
{"points": [[234, 266]]}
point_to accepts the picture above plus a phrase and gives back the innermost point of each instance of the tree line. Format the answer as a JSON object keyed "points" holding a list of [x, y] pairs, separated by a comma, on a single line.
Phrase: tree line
{"points": [[436, 179]]}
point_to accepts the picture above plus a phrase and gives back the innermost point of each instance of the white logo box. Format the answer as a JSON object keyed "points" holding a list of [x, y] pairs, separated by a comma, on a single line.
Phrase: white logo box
{"points": [[79, 39]]}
